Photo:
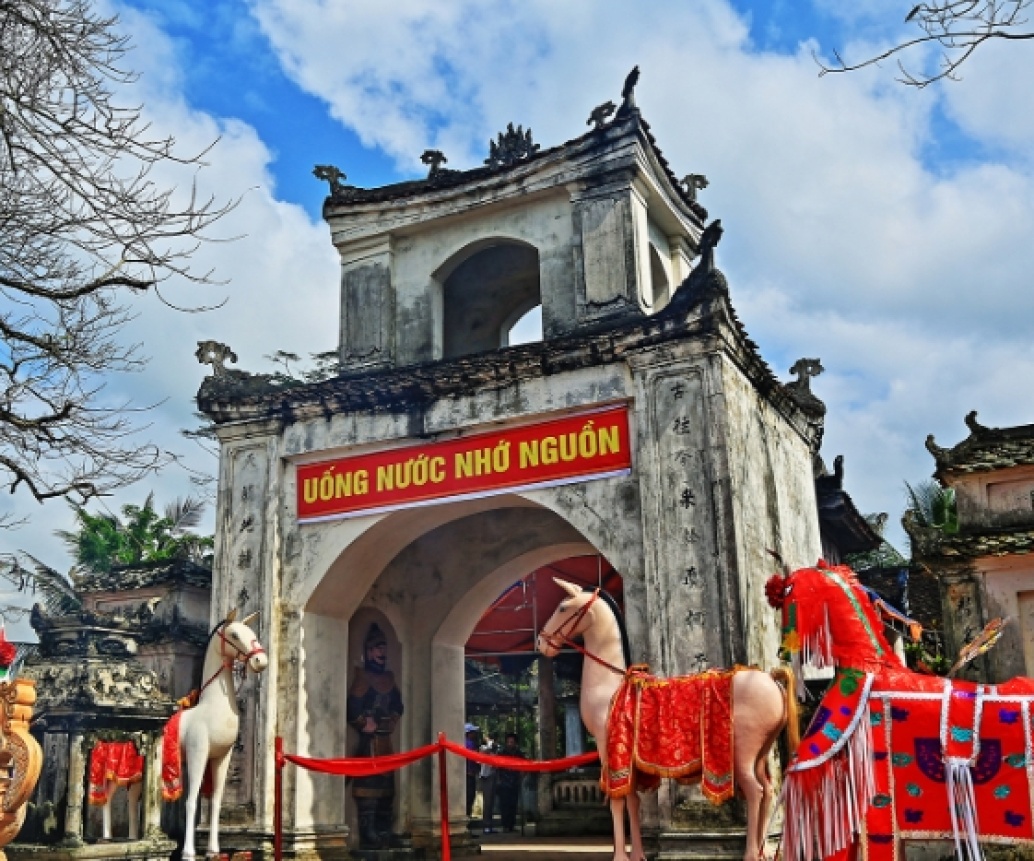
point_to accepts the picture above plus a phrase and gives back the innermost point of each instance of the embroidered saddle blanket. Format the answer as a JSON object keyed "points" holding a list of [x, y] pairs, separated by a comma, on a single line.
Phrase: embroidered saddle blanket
{"points": [[679, 727], [919, 757]]}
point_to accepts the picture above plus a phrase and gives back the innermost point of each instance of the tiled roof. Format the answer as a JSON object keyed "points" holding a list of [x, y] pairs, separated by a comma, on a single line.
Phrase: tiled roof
{"points": [[125, 577], [973, 545], [235, 395], [348, 195], [985, 449]]}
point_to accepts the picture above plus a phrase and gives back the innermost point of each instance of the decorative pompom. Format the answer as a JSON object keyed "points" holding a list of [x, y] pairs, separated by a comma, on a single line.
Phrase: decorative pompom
{"points": [[8, 651], [775, 591]]}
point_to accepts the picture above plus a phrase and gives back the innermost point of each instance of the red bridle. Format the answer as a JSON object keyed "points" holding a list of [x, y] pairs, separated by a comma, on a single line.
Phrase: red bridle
{"points": [[562, 635], [227, 661]]}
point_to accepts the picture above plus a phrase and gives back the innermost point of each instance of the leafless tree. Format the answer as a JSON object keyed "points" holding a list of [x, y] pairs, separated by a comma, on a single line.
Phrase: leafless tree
{"points": [[957, 28], [83, 225]]}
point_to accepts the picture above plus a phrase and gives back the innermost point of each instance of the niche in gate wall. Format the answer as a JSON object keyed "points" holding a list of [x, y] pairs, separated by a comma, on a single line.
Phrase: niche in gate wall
{"points": [[377, 795]]}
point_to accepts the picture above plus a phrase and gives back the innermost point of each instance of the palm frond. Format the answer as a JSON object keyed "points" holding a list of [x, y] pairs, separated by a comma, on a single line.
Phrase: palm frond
{"points": [[184, 513], [58, 595]]}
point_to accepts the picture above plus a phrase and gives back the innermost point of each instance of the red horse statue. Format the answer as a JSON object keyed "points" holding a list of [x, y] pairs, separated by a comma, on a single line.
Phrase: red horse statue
{"points": [[891, 754]]}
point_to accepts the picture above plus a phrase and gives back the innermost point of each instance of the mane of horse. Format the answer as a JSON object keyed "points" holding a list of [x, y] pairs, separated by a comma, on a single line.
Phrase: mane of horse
{"points": [[829, 620], [608, 599]]}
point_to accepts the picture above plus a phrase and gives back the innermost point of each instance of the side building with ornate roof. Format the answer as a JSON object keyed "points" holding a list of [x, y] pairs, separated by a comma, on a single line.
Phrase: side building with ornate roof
{"points": [[986, 568]]}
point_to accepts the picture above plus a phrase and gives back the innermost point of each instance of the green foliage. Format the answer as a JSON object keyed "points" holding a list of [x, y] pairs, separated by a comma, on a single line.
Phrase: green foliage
{"points": [[141, 535], [934, 506], [926, 657]]}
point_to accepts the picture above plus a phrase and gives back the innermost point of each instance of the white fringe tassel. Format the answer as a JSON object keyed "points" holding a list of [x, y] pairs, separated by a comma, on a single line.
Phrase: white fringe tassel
{"points": [[827, 821], [963, 809]]}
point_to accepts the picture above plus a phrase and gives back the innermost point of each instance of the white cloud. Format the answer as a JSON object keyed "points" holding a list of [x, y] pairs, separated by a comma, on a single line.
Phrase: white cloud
{"points": [[843, 240], [909, 279]]}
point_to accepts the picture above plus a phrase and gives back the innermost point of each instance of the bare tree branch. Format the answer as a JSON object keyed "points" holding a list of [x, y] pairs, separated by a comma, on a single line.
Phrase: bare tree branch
{"points": [[83, 224], [957, 27]]}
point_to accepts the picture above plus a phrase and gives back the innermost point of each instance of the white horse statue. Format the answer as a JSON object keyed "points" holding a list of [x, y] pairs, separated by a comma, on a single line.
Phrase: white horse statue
{"points": [[762, 710], [206, 733]]}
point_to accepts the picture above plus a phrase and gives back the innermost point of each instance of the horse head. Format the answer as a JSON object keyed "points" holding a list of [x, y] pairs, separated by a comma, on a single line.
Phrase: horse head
{"points": [[238, 642], [828, 619], [572, 617]]}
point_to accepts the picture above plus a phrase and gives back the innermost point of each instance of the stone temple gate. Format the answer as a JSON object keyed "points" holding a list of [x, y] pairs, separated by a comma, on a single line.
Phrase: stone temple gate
{"points": [[637, 328]]}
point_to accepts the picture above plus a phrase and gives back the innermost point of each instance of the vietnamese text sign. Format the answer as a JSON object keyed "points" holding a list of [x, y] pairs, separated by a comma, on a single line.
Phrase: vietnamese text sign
{"points": [[573, 448]]}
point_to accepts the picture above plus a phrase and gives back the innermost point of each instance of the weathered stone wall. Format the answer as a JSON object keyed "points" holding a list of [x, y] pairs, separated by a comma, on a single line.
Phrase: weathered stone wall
{"points": [[771, 495]]}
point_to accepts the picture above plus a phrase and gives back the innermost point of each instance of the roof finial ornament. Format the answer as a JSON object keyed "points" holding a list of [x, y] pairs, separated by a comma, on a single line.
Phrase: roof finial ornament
{"points": [[709, 240], [971, 422], [599, 115], [628, 93], [511, 147], [332, 175], [800, 391], [692, 183], [215, 354], [805, 369], [434, 159]]}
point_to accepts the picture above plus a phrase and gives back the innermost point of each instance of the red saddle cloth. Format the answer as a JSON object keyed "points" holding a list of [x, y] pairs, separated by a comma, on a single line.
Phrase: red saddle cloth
{"points": [[172, 763], [679, 727], [113, 763]]}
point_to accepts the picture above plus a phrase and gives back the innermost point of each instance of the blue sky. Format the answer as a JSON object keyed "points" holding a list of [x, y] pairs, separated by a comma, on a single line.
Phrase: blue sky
{"points": [[882, 229]]}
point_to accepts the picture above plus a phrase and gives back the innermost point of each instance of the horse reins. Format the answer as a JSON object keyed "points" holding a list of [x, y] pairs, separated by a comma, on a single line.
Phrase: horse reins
{"points": [[560, 637], [227, 662]]}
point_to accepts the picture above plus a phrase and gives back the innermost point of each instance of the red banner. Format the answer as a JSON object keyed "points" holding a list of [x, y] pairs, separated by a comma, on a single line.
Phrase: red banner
{"points": [[573, 448]]}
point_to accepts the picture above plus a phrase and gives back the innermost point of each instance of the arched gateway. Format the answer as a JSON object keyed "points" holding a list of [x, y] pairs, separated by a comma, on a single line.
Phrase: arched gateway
{"points": [[440, 467]]}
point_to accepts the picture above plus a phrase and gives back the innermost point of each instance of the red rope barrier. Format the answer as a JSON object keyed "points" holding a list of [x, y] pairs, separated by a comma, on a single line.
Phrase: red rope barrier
{"points": [[443, 798], [366, 766], [278, 799]]}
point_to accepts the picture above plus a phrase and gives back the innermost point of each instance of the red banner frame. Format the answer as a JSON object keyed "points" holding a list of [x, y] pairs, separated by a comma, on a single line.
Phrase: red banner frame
{"points": [[573, 447]]}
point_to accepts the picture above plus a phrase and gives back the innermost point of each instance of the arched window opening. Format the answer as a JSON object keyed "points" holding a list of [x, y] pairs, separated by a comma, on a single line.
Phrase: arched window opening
{"points": [[659, 283], [527, 329], [485, 296]]}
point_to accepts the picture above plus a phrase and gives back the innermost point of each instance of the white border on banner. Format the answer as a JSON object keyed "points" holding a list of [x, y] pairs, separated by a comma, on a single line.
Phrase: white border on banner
{"points": [[463, 497]]}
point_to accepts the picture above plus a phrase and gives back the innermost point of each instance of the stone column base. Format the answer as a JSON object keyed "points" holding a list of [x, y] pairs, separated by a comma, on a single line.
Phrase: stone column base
{"points": [[700, 845], [155, 849]]}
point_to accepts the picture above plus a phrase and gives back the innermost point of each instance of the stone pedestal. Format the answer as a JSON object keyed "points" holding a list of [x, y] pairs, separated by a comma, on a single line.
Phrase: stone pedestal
{"points": [[701, 845]]}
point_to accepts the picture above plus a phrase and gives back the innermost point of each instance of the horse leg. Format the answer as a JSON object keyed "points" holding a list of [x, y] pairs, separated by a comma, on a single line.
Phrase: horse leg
{"points": [[133, 800], [765, 779], [196, 756], [109, 794], [634, 831], [753, 794], [220, 768], [617, 815]]}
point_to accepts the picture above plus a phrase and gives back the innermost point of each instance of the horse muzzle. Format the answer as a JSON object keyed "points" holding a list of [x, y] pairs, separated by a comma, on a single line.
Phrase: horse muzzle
{"points": [[545, 646]]}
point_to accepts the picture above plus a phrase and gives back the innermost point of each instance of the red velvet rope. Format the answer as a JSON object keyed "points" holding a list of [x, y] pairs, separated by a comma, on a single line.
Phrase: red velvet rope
{"points": [[367, 766], [514, 763]]}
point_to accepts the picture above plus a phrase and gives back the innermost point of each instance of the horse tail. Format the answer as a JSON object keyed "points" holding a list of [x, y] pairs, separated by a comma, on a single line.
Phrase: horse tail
{"points": [[784, 675]]}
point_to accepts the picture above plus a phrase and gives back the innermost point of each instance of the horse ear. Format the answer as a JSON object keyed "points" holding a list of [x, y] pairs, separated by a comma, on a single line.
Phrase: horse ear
{"points": [[568, 587], [231, 616], [251, 617]]}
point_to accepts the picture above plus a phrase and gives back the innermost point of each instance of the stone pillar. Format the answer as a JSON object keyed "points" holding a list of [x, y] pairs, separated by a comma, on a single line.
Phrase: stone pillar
{"points": [[151, 821], [367, 309], [547, 732], [606, 270], [574, 737], [76, 789]]}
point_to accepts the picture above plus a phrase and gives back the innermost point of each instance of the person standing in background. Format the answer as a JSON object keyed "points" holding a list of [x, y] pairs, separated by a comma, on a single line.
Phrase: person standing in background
{"points": [[470, 742], [487, 778], [508, 785]]}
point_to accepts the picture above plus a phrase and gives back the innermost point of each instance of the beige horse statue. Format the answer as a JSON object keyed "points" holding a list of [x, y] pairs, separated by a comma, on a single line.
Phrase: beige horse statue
{"points": [[762, 709], [206, 733]]}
